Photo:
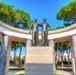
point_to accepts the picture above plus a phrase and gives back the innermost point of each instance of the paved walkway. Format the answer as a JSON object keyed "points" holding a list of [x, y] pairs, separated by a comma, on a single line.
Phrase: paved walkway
{"points": [[57, 72], [16, 72], [63, 72]]}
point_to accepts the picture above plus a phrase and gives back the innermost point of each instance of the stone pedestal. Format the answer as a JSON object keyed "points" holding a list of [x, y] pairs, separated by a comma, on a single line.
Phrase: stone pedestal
{"points": [[39, 60]]}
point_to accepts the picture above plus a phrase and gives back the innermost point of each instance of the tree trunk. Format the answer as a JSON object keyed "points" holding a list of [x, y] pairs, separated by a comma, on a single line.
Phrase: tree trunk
{"points": [[62, 55], [57, 54], [20, 56], [68, 61], [3, 54], [14, 56], [62, 61]]}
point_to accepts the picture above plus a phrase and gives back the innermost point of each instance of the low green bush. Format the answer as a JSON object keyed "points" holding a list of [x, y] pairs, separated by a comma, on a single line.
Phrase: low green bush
{"points": [[16, 69]]}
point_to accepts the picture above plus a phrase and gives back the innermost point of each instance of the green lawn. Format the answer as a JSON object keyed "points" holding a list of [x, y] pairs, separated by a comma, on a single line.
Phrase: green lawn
{"points": [[64, 69]]}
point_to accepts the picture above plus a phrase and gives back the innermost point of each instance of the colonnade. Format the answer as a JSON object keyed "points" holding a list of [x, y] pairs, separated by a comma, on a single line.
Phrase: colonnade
{"points": [[6, 47]]}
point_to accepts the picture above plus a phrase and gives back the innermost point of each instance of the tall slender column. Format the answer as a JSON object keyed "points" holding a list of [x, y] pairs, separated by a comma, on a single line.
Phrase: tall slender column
{"points": [[51, 43], [72, 57], [74, 53], [3, 54], [28, 43], [8, 56]]}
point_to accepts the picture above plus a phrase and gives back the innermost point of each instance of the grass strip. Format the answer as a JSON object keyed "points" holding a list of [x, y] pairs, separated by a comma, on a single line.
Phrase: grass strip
{"points": [[16, 69], [63, 69]]}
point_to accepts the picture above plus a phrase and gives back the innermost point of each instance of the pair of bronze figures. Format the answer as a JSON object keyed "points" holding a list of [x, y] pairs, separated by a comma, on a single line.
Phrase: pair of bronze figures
{"points": [[44, 32]]}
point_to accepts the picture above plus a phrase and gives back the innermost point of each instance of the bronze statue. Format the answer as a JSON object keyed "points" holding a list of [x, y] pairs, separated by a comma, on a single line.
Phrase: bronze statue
{"points": [[34, 27], [44, 32]]}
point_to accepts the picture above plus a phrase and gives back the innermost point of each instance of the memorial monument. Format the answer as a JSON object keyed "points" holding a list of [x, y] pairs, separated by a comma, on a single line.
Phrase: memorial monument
{"points": [[39, 59]]}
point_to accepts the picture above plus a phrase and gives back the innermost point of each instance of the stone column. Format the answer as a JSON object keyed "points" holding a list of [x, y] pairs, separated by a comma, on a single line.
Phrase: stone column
{"points": [[28, 43], [73, 44], [51, 43], [8, 57], [3, 54]]}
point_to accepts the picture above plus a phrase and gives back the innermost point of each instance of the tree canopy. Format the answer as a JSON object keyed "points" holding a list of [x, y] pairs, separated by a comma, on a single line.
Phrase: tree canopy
{"points": [[67, 13], [14, 17]]}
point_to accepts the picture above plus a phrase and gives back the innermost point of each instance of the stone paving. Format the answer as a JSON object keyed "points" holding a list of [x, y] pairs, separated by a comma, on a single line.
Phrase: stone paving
{"points": [[57, 72], [63, 73], [16, 72]]}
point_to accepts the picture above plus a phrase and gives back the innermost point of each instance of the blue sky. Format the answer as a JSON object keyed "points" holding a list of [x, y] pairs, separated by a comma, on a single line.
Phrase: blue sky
{"points": [[40, 9]]}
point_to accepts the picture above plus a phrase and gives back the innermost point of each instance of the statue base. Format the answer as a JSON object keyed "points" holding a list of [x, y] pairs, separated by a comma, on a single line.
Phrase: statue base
{"points": [[39, 60]]}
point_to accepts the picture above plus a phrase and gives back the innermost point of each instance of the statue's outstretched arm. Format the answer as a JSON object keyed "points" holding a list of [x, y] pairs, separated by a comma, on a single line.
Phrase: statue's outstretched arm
{"points": [[49, 26], [40, 24]]}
